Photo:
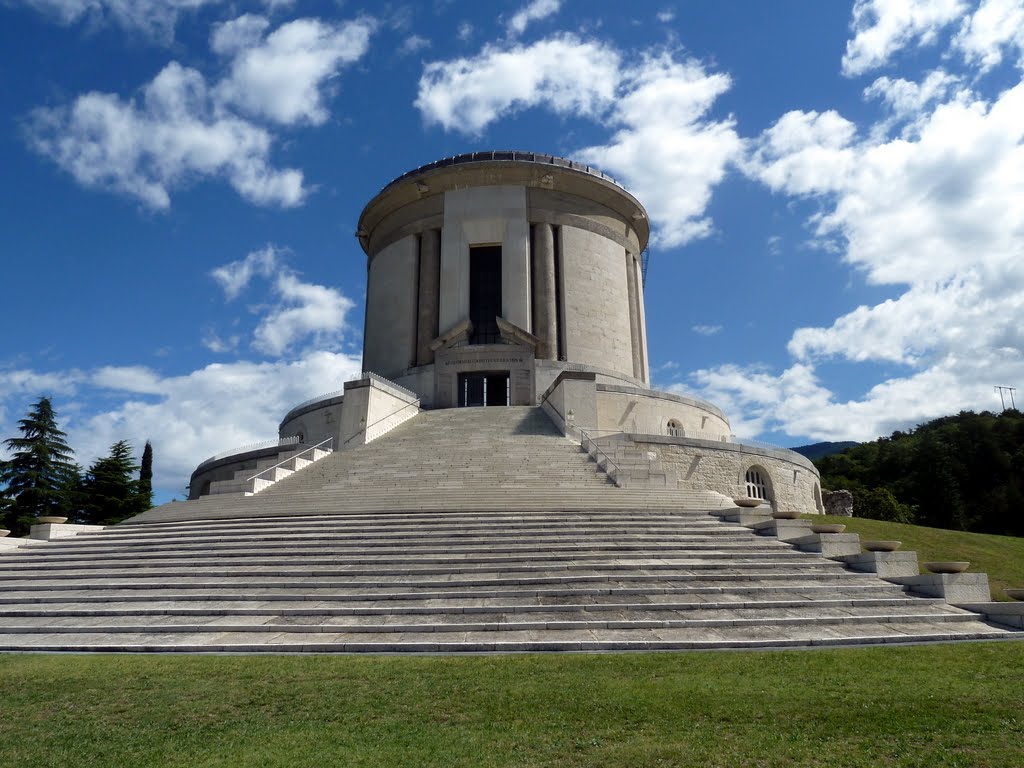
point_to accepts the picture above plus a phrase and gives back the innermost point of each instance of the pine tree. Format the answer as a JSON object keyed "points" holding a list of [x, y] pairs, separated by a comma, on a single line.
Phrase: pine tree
{"points": [[109, 492], [39, 470], [145, 497]]}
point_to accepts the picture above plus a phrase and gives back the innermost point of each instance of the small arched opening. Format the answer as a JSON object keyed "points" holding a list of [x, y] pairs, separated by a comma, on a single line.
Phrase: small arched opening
{"points": [[674, 428], [758, 483]]}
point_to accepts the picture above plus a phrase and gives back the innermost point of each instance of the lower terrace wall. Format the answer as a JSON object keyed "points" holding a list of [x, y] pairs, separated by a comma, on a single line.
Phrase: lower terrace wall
{"points": [[793, 481]]}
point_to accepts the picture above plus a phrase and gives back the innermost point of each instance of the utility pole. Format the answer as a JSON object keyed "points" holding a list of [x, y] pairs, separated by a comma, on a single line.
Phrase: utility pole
{"points": [[1002, 398]]}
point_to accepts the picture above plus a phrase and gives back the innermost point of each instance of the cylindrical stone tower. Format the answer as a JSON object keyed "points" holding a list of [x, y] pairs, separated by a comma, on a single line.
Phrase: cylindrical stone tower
{"points": [[491, 272]]}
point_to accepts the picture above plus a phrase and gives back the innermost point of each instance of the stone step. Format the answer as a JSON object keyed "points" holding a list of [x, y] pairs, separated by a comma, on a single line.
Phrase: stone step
{"points": [[249, 607], [512, 641], [475, 622]]}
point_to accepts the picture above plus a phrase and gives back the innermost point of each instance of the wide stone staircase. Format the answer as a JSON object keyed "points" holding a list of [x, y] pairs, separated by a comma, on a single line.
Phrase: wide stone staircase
{"points": [[481, 459], [457, 581], [322, 562]]}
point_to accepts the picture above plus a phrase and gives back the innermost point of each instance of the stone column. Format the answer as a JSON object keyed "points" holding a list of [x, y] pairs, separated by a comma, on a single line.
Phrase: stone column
{"points": [[634, 316], [430, 292], [545, 313]]}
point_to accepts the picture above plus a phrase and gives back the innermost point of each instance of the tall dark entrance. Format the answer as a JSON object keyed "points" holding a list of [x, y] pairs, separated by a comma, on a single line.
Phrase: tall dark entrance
{"points": [[485, 293], [477, 389]]}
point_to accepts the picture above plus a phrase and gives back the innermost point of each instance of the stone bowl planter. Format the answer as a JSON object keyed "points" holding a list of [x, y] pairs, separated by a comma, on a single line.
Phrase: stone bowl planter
{"points": [[3, 532], [881, 546], [1014, 594], [786, 514], [52, 519], [748, 501], [827, 528], [947, 566]]}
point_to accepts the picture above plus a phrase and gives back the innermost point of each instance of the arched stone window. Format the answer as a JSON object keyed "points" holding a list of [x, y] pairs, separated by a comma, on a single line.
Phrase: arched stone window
{"points": [[757, 484], [674, 428]]}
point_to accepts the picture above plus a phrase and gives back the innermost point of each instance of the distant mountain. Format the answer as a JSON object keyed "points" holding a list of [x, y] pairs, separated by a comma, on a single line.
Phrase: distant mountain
{"points": [[820, 450]]}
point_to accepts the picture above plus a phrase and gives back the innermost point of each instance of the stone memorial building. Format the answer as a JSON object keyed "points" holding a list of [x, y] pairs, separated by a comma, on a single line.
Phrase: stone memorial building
{"points": [[515, 279]]}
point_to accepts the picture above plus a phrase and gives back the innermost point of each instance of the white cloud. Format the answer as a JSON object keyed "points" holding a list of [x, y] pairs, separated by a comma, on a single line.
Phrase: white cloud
{"points": [[706, 330], [235, 36], [168, 138], [937, 213], [995, 26], [235, 276], [304, 310], [464, 31], [155, 18], [664, 148], [413, 44], [284, 77], [299, 311], [882, 28], [532, 11], [804, 153], [187, 417], [567, 75], [666, 16]]}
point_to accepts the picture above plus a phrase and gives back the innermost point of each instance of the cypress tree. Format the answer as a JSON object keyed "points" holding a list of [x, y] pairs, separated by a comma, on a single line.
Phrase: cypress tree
{"points": [[145, 497], [110, 492], [39, 471]]}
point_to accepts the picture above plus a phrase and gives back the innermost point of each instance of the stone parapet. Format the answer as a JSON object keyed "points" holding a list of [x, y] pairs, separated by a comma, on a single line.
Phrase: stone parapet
{"points": [[956, 588], [884, 564]]}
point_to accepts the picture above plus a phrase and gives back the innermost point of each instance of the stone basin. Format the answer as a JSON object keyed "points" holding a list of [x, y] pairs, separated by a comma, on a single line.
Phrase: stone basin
{"points": [[52, 519], [881, 546], [828, 528], [1015, 594], [786, 514], [747, 501], [947, 566], [3, 532]]}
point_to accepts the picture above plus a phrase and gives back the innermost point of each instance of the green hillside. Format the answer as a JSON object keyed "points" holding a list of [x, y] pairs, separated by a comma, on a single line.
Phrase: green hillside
{"points": [[962, 472]]}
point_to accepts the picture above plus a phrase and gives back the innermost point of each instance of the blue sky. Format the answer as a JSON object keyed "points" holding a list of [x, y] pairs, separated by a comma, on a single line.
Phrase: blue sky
{"points": [[836, 189]]}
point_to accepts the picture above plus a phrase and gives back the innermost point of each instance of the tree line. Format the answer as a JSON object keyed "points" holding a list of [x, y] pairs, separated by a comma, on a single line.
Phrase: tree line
{"points": [[41, 478], [962, 472]]}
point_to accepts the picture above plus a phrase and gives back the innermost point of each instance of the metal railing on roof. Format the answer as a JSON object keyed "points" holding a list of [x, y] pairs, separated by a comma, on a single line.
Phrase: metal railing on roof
{"points": [[278, 443], [508, 155]]}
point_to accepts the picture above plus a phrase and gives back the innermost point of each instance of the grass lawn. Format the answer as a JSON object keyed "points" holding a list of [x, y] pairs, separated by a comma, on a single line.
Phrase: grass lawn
{"points": [[946, 705], [1001, 557]]}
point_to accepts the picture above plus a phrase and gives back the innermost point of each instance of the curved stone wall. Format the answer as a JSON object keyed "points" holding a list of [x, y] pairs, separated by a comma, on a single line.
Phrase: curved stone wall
{"points": [[570, 282]]}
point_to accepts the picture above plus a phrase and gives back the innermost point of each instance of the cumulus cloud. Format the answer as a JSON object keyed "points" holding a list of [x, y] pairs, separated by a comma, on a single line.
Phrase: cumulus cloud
{"points": [[996, 26], [532, 11], [168, 138], [413, 44], [706, 330], [663, 147], [155, 18], [299, 312], [188, 416], [882, 28], [235, 276], [938, 214], [283, 77], [180, 129], [304, 310], [564, 73]]}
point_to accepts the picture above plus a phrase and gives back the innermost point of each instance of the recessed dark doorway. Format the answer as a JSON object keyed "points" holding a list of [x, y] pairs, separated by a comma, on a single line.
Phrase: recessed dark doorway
{"points": [[483, 389], [485, 293]]}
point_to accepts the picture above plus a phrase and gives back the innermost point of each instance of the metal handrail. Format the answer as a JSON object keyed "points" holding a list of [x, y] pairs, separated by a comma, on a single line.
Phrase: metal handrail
{"points": [[367, 428], [597, 449], [297, 455]]}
